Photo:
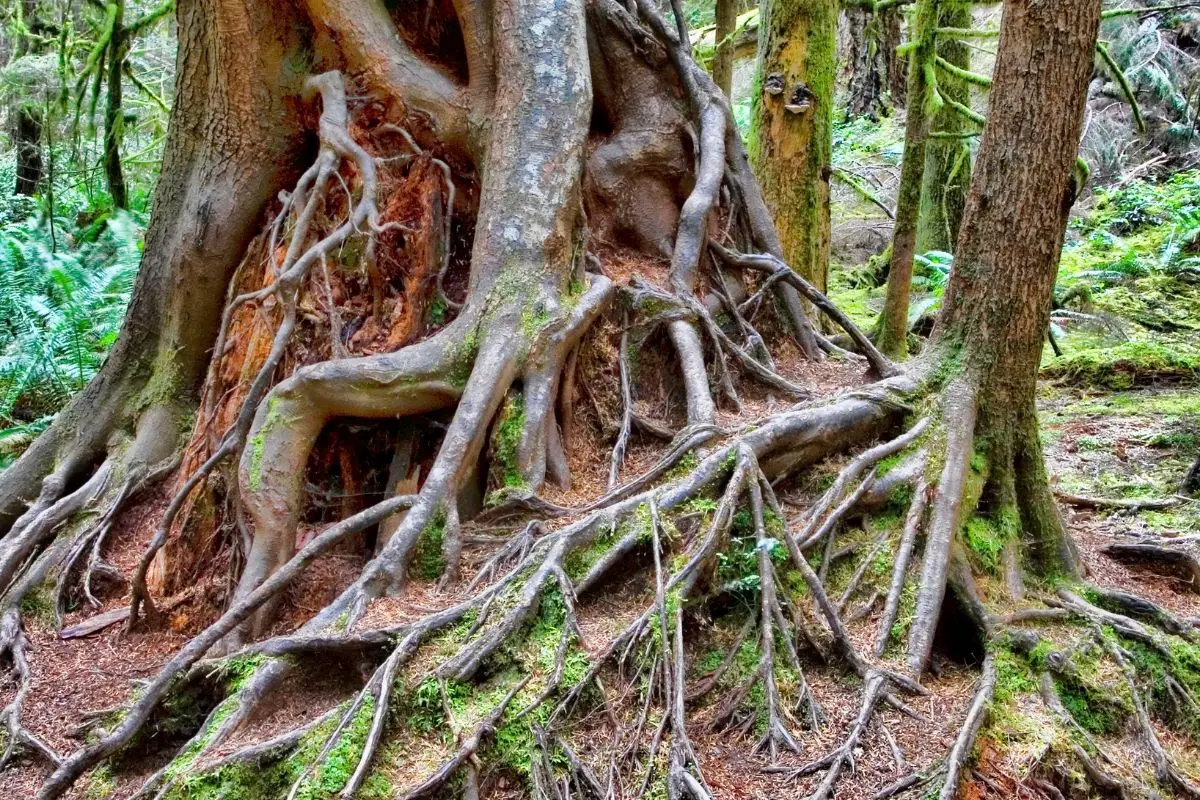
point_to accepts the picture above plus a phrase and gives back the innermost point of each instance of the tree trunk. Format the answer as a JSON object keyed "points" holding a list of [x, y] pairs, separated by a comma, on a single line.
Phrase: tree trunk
{"points": [[28, 144], [791, 141], [114, 119], [890, 39], [892, 332], [231, 142], [876, 79], [989, 336], [27, 133], [947, 159], [723, 57]]}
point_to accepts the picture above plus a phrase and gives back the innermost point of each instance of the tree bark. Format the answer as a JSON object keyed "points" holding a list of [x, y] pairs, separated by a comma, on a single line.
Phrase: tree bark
{"points": [[27, 134], [114, 119], [791, 140], [875, 72], [28, 144], [722, 62]]}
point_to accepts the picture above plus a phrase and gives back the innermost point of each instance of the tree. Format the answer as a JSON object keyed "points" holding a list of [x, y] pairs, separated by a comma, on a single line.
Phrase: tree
{"points": [[488, 355], [31, 37], [723, 57], [892, 331], [947, 171], [928, 202], [108, 65], [792, 137], [876, 73]]}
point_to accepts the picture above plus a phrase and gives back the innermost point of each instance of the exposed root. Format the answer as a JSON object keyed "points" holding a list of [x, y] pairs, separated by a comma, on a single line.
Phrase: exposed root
{"points": [[14, 644]]}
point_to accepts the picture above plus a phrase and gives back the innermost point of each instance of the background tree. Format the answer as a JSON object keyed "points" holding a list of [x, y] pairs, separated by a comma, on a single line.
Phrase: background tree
{"points": [[876, 71], [723, 57], [947, 171], [30, 35], [106, 68], [792, 128]]}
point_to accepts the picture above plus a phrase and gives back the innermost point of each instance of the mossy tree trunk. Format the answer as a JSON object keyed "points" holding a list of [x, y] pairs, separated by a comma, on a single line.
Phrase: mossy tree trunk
{"points": [[892, 332], [947, 158], [114, 118], [791, 142], [27, 130]]}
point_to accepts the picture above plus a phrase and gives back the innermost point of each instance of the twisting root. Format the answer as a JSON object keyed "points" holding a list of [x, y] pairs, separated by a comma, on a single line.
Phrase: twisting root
{"points": [[777, 734], [908, 541], [310, 193], [880, 364], [14, 642]]}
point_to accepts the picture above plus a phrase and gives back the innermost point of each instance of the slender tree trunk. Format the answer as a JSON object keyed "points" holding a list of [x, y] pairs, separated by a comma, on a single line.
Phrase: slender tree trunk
{"points": [[723, 58], [947, 160], [791, 142], [114, 120], [892, 332]]}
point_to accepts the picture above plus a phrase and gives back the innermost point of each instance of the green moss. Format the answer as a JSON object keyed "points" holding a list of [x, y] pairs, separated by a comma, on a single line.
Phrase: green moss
{"points": [[256, 782], [464, 358], [987, 536], [507, 439], [1096, 709], [100, 784], [437, 310], [1182, 663], [1013, 678], [1125, 365], [906, 612], [427, 559], [342, 760], [259, 440], [38, 604]]}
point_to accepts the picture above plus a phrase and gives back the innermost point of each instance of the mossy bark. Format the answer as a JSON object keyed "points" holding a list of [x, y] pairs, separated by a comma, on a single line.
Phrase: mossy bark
{"points": [[947, 160], [114, 118], [791, 141], [892, 332], [876, 73]]}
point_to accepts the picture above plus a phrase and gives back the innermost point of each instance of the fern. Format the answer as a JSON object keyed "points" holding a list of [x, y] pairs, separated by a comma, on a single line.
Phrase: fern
{"points": [[60, 311]]}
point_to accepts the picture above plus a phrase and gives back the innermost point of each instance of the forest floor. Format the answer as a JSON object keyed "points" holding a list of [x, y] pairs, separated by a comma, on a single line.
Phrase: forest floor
{"points": [[1130, 443]]}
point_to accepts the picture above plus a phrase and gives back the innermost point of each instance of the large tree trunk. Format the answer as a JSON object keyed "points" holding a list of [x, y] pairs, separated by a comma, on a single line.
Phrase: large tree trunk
{"points": [[231, 142], [792, 135], [993, 324]]}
